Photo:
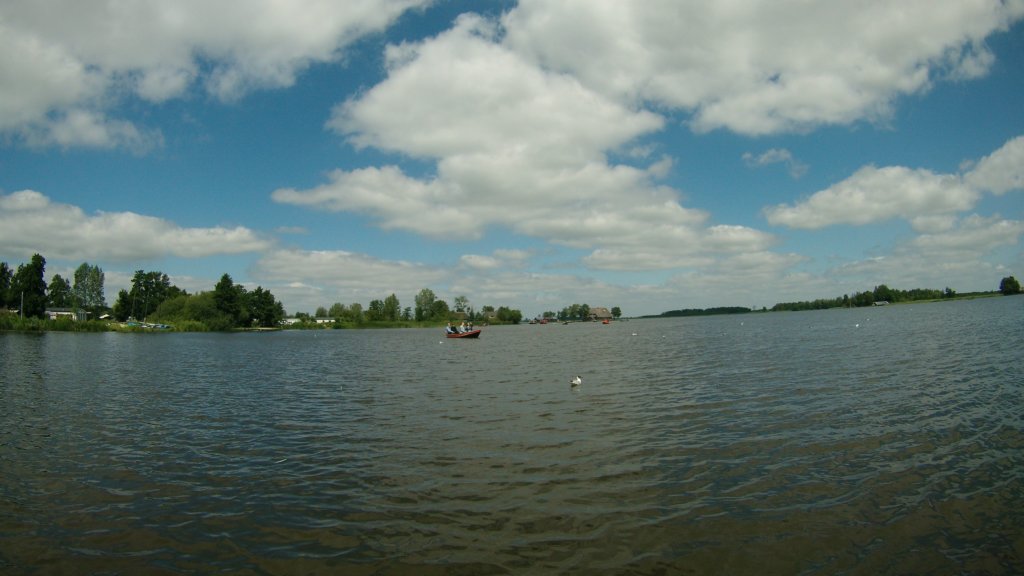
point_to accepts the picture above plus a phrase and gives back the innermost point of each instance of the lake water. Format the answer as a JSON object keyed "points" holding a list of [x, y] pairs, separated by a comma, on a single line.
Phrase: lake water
{"points": [[869, 441]]}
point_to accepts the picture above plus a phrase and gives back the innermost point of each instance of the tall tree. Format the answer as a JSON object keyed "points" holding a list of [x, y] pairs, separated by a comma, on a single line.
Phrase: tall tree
{"points": [[122, 306], [149, 290], [226, 296], [28, 287], [392, 309], [6, 275], [59, 292], [425, 304], [376, 311], [264, 309], [88, 288], [461, 303]]}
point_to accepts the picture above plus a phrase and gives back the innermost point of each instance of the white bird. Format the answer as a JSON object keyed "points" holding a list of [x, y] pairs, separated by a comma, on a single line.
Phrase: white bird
{"points": [[576, 381]]}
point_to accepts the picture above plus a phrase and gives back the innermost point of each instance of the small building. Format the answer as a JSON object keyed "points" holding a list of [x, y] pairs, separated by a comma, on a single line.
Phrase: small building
{"points": [[599, 313], [76, 315]]}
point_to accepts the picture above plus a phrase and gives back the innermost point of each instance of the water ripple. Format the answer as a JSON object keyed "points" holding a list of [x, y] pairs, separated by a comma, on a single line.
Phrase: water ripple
{"points": [[880, 441]]}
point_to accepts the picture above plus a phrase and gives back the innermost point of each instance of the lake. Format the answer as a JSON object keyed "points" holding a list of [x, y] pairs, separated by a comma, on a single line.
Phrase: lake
{"points": [[885, 440]]}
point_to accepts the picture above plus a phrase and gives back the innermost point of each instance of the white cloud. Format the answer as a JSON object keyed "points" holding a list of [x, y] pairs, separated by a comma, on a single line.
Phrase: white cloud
{"points": [[338, 274], [65, 61], [958, 257], [474, 97], [31, 223], [499, 260], [874, 194], [775, 156], [925, 199], [761, 66], [975, 235], [1001, 171], [516, 147]]}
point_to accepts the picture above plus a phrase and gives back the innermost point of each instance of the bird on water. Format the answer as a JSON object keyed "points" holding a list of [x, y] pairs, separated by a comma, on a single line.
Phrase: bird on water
{"points": [[576, 381]]}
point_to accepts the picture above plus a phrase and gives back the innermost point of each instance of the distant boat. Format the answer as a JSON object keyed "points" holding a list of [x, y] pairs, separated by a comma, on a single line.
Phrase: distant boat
{"points": [[606, 321], [470, 334]]}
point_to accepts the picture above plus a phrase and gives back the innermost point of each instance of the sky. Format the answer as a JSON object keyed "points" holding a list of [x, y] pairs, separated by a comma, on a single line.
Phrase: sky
{"points": [[653, 156]]}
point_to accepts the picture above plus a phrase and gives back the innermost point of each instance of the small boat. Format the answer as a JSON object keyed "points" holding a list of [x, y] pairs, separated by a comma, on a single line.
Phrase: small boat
{"points": [[470, 334], [606, 321]]}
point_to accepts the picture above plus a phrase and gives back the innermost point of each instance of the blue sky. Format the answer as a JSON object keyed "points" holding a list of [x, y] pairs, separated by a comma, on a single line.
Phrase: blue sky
{"points": [[650, 155]]}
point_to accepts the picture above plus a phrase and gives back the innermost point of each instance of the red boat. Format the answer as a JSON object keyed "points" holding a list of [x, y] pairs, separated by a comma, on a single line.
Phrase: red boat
{"points": [[470, 334]]}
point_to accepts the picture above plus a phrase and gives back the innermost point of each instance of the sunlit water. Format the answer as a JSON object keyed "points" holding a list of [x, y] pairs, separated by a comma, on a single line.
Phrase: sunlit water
{"points": [[868, 441]]}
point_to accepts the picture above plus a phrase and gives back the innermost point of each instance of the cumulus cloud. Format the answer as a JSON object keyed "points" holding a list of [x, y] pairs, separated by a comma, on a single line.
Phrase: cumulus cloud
{"points": [[66, 62], [762, 66], [925, 199], [1001, 171], [515, 146], [30, 222], [874, 194]]}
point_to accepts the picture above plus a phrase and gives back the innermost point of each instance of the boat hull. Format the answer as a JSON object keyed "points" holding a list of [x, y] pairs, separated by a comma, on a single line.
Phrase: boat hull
{"points": [[470, 334]]}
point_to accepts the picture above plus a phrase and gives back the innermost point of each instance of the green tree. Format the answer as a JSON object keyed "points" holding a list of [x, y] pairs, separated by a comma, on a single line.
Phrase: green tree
{"points": [[263, 309], [461, 303], [6, 275], [440, 310], [425, 304], [59, 292], [225, 297], [1009, 286], [337, 310], [149, 290], [375, 312], [883, 293], [28, 287], [88, 288], [616, 312], [506, 314], [392, 309], [122, 306], [321, 312]]}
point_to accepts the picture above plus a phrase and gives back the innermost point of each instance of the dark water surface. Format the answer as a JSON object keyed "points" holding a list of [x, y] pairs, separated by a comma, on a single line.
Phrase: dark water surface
{"points": [[869, 441]]}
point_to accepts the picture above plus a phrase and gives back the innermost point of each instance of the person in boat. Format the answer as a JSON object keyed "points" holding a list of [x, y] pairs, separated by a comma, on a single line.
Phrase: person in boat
{"points": [[450, 329]]}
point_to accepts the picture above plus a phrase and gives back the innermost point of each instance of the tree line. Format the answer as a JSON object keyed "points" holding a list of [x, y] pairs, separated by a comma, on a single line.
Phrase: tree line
{"points": [[880, 294], [428, 309], [706, 311], [577, 312], [151, 298]]}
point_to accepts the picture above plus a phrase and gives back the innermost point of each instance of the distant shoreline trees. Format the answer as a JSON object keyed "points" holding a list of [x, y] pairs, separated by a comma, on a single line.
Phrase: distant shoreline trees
{"points": [[230, 306], [429, 311], [1009, 286], [880, 294], [152, 297]]}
